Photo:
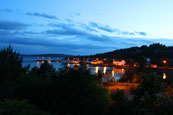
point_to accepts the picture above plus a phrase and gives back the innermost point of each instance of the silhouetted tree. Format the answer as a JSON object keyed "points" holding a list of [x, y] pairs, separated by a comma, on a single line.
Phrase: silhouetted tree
{"points": [[15, 107], [10, 70]]}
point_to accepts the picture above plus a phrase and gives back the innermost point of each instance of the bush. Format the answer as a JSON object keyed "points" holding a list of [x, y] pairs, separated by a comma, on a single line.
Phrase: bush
{"points": [[16, 107]]}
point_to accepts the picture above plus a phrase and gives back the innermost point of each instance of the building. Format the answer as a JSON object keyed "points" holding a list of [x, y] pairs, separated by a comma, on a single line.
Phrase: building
{"points": [[95, 62], [119, 63]]}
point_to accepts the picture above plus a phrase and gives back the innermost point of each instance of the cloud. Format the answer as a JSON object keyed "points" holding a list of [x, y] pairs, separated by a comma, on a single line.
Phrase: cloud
{"points": [[104, 28], [142, 33], [127, 33], [64, 29], [133, 33], [77, 42], [68, 29], [12, 25], [7, 10], [111, 30], [54, 46], [88, 28], [77, 14], [42, 15]]}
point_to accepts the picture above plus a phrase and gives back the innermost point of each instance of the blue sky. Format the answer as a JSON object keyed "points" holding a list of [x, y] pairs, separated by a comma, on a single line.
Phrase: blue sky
{"points": [[81, 27]]}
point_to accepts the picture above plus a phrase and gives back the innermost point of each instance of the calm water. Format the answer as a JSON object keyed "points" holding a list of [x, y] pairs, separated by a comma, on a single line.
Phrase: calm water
{"points": [[109, 73]]}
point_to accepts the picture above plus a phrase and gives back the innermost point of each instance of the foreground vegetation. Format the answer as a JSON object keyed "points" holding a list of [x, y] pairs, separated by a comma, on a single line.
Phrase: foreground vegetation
{"points": [[45, 91]]}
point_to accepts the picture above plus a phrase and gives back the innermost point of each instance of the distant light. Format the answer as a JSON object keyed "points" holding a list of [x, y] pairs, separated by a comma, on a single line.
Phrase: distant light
{"points": [[68, 65], [164, 75], [164, 61], [96, 70], [104, 70], [113, 73], [87, 66], [37, 62]]}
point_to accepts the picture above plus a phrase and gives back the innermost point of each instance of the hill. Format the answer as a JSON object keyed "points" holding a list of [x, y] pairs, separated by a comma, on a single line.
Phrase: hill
{"points": [[155, 53], [49, 55]]}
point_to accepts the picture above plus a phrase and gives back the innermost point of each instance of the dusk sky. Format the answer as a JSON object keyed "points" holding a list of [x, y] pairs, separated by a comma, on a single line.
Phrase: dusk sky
{"points": [[81, 27]]}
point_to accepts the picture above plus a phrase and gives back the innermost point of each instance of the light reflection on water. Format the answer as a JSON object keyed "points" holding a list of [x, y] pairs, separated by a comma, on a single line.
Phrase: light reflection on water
{"points": [[108, 73]]}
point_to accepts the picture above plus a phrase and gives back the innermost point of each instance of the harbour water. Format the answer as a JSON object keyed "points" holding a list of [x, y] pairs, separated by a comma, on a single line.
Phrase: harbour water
{"points": [[108, 73]]}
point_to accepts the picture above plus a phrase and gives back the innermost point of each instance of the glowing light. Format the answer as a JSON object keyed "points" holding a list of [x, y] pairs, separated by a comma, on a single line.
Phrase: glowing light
{"points": [[164, 75], [94, 62], [42, 61], [104, 59], [164, 61], [113, 73], [122, 70], [68, 65], [87, 66], [38, 64], [104, 70], [153, 65], [96, 69], [119, 63], [75, 62], [49, 61]]}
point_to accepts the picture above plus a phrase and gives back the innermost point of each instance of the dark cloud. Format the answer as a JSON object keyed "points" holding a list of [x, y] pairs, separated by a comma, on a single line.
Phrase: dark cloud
{"points": [[29, 42], [118, 31], [55, 46], [66, 29], [77, 14], [142, 33], [42, 15], [69, 20], [7, 10], [12, 25], [133, 33], [88, 28], [127, 33], [104, 28]]}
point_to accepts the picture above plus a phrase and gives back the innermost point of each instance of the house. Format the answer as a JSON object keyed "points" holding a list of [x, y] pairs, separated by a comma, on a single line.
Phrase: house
{"points": [[119, 63], [95, 62]]}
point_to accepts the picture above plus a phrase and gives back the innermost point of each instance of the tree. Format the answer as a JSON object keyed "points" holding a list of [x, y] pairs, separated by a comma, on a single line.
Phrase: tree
{"points": [[16, 107], [149, 97], [120, 104], [46, 71], [10, 70]]}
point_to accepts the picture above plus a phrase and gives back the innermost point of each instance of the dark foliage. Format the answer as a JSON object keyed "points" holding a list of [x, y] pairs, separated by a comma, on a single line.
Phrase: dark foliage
{"points": [[76, 91], [66, 91], [15, 107]]}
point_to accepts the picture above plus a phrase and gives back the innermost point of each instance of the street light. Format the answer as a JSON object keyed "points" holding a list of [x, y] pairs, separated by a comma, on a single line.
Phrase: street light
{"points": [[164, 61], [164, 75]]}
